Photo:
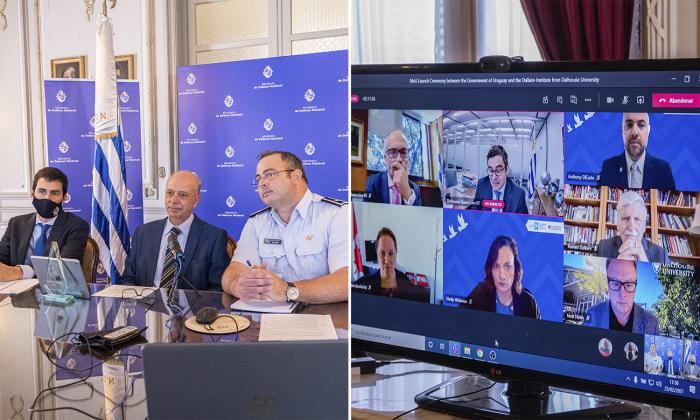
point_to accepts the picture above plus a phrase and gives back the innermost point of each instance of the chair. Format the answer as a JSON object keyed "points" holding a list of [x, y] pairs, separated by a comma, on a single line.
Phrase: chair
{"points": [[230, 247], [90, 260]]}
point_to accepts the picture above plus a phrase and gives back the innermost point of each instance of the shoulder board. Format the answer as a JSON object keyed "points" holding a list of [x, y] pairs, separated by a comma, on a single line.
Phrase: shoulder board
{"points": [[334, 201], [255, 213]]}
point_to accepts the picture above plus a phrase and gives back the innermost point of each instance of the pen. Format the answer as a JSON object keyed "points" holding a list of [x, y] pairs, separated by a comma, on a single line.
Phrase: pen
{"points": [[249, 264]]}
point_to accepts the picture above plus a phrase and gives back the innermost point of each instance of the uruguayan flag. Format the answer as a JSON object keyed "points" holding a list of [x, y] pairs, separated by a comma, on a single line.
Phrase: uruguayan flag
{"points": [[531, 177], [109, 204]]}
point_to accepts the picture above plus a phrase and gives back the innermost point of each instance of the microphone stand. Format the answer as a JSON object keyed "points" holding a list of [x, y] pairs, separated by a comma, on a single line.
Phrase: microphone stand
{"points": [[178, 276]]}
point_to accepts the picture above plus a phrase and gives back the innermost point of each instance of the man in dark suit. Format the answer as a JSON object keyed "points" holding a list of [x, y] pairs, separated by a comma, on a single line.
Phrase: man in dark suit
{"points": [[32, 234], [620, 312], [151, 261], [393, 186], [634, 168], [497, 192], [630, 243], [671, 366]]}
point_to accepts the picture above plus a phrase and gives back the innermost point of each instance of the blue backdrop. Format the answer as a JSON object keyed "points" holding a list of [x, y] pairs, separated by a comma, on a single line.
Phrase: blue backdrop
{"points": [[70, 105], [231, 112], [674, 138], [540, 254]]}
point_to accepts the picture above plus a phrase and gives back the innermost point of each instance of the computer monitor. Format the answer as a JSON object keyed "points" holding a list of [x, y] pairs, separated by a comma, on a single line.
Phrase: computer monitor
{"points": [[560, 248]]}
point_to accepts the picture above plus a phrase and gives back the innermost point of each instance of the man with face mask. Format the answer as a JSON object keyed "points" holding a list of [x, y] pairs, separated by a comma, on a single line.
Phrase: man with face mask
{"points": [[692, 370], [32, 234], [635, 168], [630, 243]]}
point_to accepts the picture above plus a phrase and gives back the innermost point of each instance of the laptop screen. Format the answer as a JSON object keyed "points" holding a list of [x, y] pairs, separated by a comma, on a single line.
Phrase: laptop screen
{"points": [[540, 223]]}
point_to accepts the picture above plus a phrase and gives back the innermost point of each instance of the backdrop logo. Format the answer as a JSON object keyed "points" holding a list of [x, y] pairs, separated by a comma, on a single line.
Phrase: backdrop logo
{"points": [[228, 101], [309, 149], [268, 124], [127, 146], [267, 72], [100, 268], [61, 96], [129, 195], [230, 152], [191, 79], [63, 147], [124, 97], [92, 121], [192, 128], [66, 200], [230, 202], [309, 95]]}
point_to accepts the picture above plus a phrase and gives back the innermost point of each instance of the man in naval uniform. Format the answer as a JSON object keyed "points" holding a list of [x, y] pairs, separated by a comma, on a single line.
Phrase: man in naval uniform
{"points": [[295, 249]]}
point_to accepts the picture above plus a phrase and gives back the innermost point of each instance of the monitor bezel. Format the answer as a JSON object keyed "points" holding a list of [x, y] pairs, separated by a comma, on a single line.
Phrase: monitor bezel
{"points": [[501, 372]]}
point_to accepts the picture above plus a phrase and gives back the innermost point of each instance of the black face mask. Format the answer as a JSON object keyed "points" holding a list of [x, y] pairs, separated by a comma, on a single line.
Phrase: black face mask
{"points": [[46, 208], [692, 363]]}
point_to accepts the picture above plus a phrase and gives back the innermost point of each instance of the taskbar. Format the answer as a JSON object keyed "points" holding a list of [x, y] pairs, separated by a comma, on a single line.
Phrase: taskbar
{"points": [[664, 384]]}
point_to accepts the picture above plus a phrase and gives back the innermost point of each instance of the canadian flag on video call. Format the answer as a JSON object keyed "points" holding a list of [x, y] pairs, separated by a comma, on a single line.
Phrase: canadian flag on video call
{"points": [[357, 255]]}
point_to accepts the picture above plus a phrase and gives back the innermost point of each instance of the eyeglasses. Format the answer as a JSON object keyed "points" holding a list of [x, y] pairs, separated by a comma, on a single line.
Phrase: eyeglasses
{"points": [[394, 153], [268, 175], [498, 171], [614, 285]]}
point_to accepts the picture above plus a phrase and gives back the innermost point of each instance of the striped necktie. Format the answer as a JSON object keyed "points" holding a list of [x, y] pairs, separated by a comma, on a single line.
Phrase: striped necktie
{"points": [[170, 264]]}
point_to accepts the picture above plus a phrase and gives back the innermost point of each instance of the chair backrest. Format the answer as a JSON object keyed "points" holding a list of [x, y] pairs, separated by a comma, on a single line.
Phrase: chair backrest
{"points": [[90, 259], [230, 247]]}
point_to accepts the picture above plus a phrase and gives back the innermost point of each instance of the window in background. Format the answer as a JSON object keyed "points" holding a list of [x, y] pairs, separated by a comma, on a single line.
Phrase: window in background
{"points": [[231, 30], [436, 31], [502, 29]]}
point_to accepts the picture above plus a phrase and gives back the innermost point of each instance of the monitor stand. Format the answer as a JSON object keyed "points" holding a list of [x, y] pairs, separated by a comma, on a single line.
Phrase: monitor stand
{"points": [[475, 395]]}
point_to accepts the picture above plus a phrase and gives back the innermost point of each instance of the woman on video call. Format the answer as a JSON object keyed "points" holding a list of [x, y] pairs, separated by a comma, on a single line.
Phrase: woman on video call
{"points": [[502, 290]]}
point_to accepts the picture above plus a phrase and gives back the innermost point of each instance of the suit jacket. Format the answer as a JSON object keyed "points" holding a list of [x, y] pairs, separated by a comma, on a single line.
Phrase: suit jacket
{"points": [[657, 173], [378, 187], [610, 248], [205, 255], [69, 231], [513, 196], [372, 284], [483, 298], [676, 370], [643, 322]]}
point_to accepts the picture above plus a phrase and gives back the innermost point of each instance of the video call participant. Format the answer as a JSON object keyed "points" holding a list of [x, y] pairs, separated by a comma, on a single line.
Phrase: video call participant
{"points": [[670, 365], [620, 312], [630, 243], [32, 234], [498, 186], [652, 361], [393, 186], [295, 249], [389, 281], [635, 168], [692, 370], [502, 289], [150, 262]]}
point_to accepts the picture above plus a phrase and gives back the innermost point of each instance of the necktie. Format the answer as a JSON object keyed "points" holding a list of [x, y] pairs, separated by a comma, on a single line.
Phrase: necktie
{"points": [[169, 264], [670, 367], [40, 244], [498, 197], [395, 194], [635, 178]]}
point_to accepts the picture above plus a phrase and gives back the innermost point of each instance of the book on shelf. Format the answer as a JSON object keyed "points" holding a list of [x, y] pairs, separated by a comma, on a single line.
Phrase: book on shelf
{"points": [[615, 193], [676, 198], [582, 213], [675, 245], [675, 221], [578, 236], [586, 192]]}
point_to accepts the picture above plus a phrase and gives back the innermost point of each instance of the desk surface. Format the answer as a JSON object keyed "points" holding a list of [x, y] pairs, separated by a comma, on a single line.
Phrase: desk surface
{"points": [[116, 386], [391, 390]]}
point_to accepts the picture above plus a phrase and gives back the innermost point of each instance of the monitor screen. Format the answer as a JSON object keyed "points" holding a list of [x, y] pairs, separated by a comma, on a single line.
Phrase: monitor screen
{"points": [[537, 224]]}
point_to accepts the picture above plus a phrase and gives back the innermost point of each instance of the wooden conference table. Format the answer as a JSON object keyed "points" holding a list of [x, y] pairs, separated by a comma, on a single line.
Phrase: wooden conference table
{"points": [[114, 388]]}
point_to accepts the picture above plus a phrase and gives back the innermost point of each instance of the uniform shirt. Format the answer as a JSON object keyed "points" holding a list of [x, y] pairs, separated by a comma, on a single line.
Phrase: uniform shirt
{"points": [[314, 243]]}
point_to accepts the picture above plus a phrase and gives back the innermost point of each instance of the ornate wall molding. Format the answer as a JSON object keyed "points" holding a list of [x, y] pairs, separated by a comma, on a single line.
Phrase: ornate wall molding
{"points": [[656, 24]]}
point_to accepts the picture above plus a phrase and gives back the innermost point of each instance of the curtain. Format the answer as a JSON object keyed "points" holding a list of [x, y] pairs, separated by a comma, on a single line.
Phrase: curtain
{"points": [[568, 30]]}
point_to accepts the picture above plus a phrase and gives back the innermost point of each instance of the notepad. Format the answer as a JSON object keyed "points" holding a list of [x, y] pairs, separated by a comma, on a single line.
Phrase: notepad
{"points": [[264, 306], [16, 287], [125, 291], [294, 327]]}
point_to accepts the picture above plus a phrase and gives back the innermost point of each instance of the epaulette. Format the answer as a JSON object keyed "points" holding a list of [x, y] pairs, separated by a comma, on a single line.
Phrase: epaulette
{"points": [[334, 201], [255, 213]]}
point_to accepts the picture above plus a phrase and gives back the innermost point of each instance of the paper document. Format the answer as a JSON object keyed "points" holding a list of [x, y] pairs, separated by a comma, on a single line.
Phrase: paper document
{"points": [[264, 306], [125, 291], [16, 287], [281, 327]]}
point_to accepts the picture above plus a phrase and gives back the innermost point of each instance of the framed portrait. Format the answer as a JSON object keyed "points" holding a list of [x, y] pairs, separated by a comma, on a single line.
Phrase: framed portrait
{"points": [[68, 68], [125, 66], [357, 141]]}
